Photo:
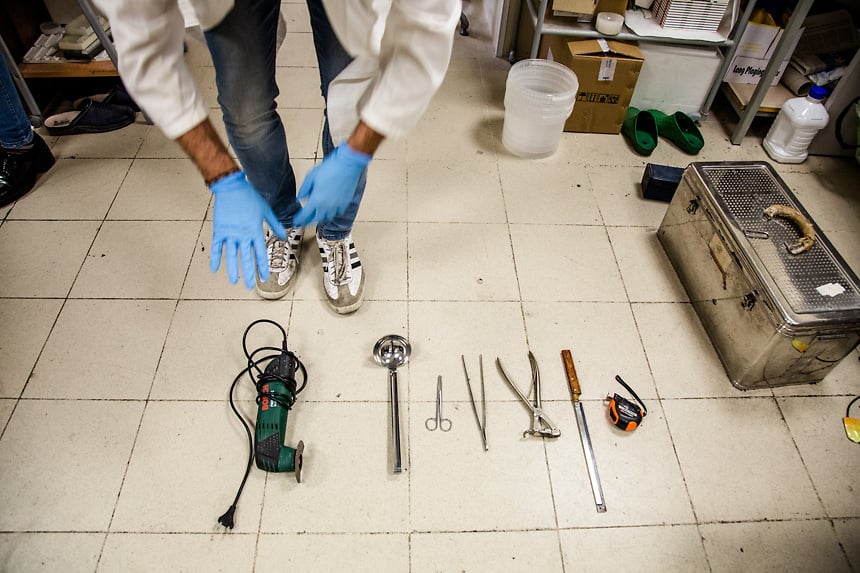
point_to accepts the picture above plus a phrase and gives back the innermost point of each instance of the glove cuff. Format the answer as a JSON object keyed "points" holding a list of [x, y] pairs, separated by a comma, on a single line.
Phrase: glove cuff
{"points": [[356, 157], [235, 174]]}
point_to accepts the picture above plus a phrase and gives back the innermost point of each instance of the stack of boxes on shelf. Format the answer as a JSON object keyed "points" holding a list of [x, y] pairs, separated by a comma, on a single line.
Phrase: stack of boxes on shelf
{"points": [[79, 41], [690, 14]]}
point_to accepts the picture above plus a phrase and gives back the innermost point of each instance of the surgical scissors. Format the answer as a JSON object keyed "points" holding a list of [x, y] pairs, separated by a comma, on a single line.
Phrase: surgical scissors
{"points": [[541, 424], [438, 422]]}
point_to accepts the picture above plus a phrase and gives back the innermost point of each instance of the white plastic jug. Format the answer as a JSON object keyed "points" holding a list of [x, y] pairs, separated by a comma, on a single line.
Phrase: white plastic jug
{"points": [[797, 123]]}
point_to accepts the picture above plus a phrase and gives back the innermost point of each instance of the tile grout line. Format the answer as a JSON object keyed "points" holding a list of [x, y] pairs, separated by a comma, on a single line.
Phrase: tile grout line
{"points": [[65, 298], [33, 368], [154, 373], [830, 519], [512, 400], [259, 532], [691, 505], [439, 531], [554, 508], [799, 453], [524, 325], [409, 400]]}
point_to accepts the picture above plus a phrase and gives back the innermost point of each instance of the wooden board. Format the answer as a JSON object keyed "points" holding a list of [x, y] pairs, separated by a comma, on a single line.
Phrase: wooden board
{"points": [[68, 69], [773, 99]]}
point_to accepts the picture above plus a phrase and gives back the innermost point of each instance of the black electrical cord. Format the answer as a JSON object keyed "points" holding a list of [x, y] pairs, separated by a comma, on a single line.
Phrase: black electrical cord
{"points": [[263, 378]]}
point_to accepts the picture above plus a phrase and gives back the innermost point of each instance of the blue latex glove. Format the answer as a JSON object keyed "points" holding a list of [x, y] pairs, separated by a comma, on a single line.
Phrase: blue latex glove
{"points": [[330, 186], [237, 222]]}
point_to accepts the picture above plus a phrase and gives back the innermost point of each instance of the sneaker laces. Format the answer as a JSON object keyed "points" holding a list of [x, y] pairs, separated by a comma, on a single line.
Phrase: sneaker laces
{"points": [[277, 251], [339, 269]]}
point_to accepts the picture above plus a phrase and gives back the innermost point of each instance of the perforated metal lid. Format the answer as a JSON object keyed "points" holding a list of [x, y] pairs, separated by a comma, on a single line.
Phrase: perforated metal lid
{"points": [[742, 191]]}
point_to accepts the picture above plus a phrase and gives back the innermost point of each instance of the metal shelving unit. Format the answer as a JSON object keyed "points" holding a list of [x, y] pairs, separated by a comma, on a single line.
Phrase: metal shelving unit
{"points": [[751, 109], [545, 26], [63, 69], [562, 27], [584, 30]]}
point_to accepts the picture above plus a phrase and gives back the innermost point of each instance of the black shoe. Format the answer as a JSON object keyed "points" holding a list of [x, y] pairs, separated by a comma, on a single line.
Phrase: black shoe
{"points": [[18, 169], [119, 96], [90, 117], [116, 96]]}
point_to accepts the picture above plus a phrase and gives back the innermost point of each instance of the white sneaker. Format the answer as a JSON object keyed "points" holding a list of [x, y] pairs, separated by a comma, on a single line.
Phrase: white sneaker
{"points": [[343, 278], [283, 263]]}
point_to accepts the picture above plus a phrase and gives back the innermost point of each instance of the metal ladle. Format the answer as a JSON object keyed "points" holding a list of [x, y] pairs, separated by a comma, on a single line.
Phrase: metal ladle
{"points": [[392, 351]]}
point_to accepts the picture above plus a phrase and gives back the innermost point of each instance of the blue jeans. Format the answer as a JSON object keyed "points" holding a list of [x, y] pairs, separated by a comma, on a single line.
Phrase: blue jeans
{"points": [[243, 48], [15, 130]]}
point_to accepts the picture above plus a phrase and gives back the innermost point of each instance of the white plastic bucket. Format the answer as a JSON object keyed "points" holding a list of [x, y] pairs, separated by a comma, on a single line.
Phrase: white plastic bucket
{"points": [[539, 97]]}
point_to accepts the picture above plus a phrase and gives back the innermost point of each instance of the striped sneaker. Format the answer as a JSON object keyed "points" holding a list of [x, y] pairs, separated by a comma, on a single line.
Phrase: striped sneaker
{"points": [[343, 278], [283, 263]]}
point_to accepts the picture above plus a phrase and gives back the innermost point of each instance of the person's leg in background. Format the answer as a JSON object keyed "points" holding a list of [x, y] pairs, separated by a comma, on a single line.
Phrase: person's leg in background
{"points": [[23, 154], [243, 48], [343, 275]]}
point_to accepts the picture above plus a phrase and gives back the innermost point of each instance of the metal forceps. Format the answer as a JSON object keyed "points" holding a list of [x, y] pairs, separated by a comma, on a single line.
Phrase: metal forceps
{"points": [[541, 424], [438, 423], [482, 426]]}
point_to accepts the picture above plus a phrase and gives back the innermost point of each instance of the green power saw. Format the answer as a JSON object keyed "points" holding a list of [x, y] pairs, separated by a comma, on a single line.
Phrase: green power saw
{"points": [[277, 389]]}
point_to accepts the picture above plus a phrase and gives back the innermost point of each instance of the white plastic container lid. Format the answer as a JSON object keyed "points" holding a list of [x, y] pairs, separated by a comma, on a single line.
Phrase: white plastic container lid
{"points": [[542, 86]]}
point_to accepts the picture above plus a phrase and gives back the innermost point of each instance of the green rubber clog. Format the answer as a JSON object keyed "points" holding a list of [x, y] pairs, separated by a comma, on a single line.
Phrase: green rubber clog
{"points": [[680, 130], [640, 127]]}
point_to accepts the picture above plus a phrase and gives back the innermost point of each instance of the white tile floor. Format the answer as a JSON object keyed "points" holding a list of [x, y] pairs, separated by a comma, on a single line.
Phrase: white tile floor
{"points": [[118, 450]]}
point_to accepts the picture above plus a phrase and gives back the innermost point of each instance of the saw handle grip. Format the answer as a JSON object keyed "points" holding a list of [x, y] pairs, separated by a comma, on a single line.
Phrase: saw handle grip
{"points": [[572, 379]]}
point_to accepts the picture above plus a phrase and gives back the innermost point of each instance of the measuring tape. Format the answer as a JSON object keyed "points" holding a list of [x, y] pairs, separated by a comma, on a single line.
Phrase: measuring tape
{"points": [[852, 425], [623, 413]]}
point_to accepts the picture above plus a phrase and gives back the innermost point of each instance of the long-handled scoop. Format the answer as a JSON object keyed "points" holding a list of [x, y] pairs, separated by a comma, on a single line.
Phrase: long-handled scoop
{"points": [[392, 351]]}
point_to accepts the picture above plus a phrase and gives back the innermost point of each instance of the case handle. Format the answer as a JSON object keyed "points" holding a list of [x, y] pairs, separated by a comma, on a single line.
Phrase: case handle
{"points": [[804, 225]]}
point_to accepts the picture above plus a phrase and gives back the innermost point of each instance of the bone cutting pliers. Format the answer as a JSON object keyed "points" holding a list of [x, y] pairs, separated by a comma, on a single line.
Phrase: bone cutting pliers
{"points": [[541, 424]]}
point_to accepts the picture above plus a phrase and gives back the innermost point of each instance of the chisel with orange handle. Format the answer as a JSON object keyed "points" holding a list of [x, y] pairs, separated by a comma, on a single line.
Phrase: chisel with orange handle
{"points": [[575, 392]]}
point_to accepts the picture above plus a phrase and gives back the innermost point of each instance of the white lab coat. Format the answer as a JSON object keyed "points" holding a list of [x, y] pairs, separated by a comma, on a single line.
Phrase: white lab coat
{"points": [[401, 49]]}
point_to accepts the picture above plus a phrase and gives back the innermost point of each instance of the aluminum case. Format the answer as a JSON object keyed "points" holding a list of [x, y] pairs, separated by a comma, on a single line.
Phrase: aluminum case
{"points": [[771, 315]]}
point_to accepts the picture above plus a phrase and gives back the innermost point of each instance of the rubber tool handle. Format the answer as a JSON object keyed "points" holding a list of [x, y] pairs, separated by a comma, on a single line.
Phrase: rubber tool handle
{"points": [[572, 379]]}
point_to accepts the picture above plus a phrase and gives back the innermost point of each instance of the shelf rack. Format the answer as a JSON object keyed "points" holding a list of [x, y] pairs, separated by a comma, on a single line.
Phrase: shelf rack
{"points": [[61, 69], [549, 25], [751, 110]]}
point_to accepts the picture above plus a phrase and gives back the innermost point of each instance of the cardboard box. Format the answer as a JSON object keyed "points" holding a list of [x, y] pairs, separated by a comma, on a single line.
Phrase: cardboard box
{"points": [[607, 72], [755, 49], [584, 10]]}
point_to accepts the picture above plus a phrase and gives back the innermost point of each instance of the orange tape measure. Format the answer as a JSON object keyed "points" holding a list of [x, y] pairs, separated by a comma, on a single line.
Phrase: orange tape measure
{"points": [[852, 425], [624, 413]]}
